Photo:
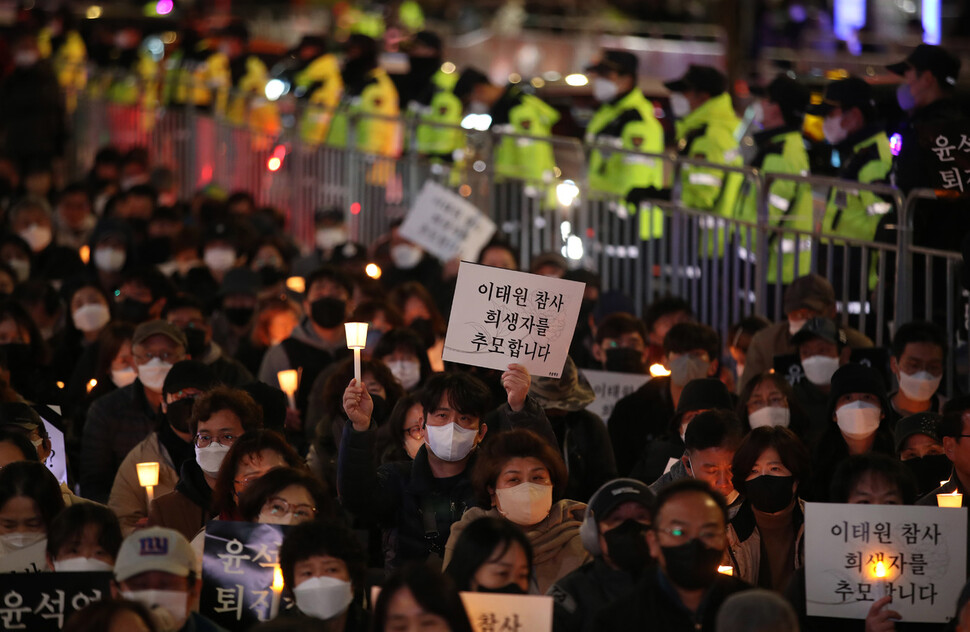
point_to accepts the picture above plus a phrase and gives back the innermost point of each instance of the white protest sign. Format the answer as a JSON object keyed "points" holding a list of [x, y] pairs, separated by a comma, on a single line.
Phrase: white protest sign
{"points": [[922, 551], [490, 612], [446, 224], [610, 387], [502, 316]]}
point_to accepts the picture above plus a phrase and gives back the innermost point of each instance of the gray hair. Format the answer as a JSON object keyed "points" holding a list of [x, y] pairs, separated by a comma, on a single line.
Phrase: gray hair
{"points": [[756, 610]]}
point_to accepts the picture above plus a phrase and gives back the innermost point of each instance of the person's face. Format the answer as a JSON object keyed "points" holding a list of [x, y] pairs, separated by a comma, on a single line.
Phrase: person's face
{"points": [[405, 614], [773, 117], [320, 566], [508, 564], [158, 346], [10, 453], [804, 313], [253, 466], [697, 354], [400, 355], [20, 514], [373, 386], [267, 255], [957, 449], [499, 258], [520, 470], [139, 207], [85, 544], [74, 208], [768, 464], [873, 489], [222, 426], [414, 421], [325, 288], [281, 324], [136, 292], [919, 356], [29, 216], [920, 85], [818, 347], [628, 340], [10, 332], [765, 394], [7, 283], [692, 515], [415, 309], [155, 580], [190, 318], [713, 466], [293, 502], [626, 511], [550, 270], [124, 359], [919, 445], [848, 398], [87, 296], [663, 325], [444, 414]]}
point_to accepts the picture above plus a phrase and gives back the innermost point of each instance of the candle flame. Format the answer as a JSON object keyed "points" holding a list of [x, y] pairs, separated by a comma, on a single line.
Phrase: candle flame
{"points": [[91, 384], [84, 253], [880, 570], [277, 579], [725, 570], [658, 370]]}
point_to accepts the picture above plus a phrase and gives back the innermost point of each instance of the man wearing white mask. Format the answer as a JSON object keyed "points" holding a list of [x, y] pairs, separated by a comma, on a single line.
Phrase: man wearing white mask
{"points": [[332, 244], [31, 219], [821, 350], [918, 356], [860, 420], [810, 296], [417, 501], [156, 567], [119, 420]]}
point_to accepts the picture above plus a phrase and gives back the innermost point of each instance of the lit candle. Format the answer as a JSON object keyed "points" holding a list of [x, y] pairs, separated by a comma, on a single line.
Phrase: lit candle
{"points": [[658, 370], [289, 380], [880, 573], [274, 607], [91, 384], [356, 340], [84, 253], [725, 570], [148, 478], [950, 500], [296, 284]]}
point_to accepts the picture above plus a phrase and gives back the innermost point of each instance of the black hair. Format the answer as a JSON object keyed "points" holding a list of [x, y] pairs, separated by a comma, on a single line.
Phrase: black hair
{"points": [[501, 244], [389, 438], [15, 435], [794, 455], [663, 306], [466, 394], [434, 591], [713, 429], [33, 480], [150, 277], [75, 188], [185, 301], [15, 311], [407, 340], [69, 525], [329, 273], [748, 326], [477, 545], [99, 615], [322, 537], [685, 337], [619, 323], [37, 292], [686, 486], [851, 470], [367, 310], [236, 400], [918, 331], [251, 500]]}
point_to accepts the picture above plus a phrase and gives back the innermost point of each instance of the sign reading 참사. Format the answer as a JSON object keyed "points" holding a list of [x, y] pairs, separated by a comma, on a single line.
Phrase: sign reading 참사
{"points": [[500, 317], [861, 553], [489, 612], [446, 224]]}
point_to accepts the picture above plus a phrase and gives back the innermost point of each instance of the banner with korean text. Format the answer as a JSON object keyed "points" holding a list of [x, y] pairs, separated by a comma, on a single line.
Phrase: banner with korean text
{"points": [[610, 387], [491, 612], [446, 224]]}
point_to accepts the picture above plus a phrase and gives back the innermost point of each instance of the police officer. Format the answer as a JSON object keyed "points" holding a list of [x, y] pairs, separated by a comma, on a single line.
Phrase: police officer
{"points": [[512, 111], [427, 93], [317, 80], [781, 149], [851, 127], [241, 82], [706, 131]]}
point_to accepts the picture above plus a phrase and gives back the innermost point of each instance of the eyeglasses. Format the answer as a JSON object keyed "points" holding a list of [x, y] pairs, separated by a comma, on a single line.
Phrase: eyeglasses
{"points": [[170, 357], [775, 401], [204, 440], [415, 432], [711, 537], [278, 507]]}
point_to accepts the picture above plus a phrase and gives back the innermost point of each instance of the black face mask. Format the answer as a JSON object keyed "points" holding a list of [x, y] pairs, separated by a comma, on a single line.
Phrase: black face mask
{"points": [[177, 413], [627, 546], [508, 589], [328, 312], [692, 565], [196, 340], [239, 316], [622, 360], [132, 311], [929, 471], [770, 494]]}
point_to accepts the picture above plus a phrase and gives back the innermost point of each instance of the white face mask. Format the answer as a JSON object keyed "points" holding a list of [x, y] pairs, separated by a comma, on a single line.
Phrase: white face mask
{"points": [[858, 420], [820, 369], [268, 518], [210, 457], [679, 105], [169, 608], [833, 131], [37, 237], [795, 326], [21, 268], [330, 238], [407, 372], [153, 374], [219, 259], [323, 597], [406, 256], [685, 368], [91, 317], [109, 259], [604, 90], [82, 565], [525, 504], [450, 442], [770, 416], [411, 446], [919, 386], [123, 377], [17, 540]]}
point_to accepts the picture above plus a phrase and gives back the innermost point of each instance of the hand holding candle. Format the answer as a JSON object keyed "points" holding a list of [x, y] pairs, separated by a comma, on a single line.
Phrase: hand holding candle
{"points": [[356, 340], [148, 478]]}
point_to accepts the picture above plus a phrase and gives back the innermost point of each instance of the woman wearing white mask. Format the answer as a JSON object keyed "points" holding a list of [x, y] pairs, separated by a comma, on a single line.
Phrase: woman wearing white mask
{"points": [[323, 567], [403, 352], [520, 478], [820, 347], [768, 400], [860, 422], [403, 434], [30, 499], [83, 537], [287, 496]]}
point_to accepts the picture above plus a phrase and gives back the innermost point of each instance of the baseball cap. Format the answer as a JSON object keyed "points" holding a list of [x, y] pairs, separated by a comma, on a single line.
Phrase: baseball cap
{"points": [[846, 94], [159, 327], [788, 93], [824, 328], [812, 292], [619, 61], [700, 78], [616, 492], [920, 423], [941, 64], [154, 549]]}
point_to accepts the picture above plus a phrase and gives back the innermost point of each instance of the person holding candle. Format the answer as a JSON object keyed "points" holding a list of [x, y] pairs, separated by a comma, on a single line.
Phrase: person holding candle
{"points": [[765, 536]]}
